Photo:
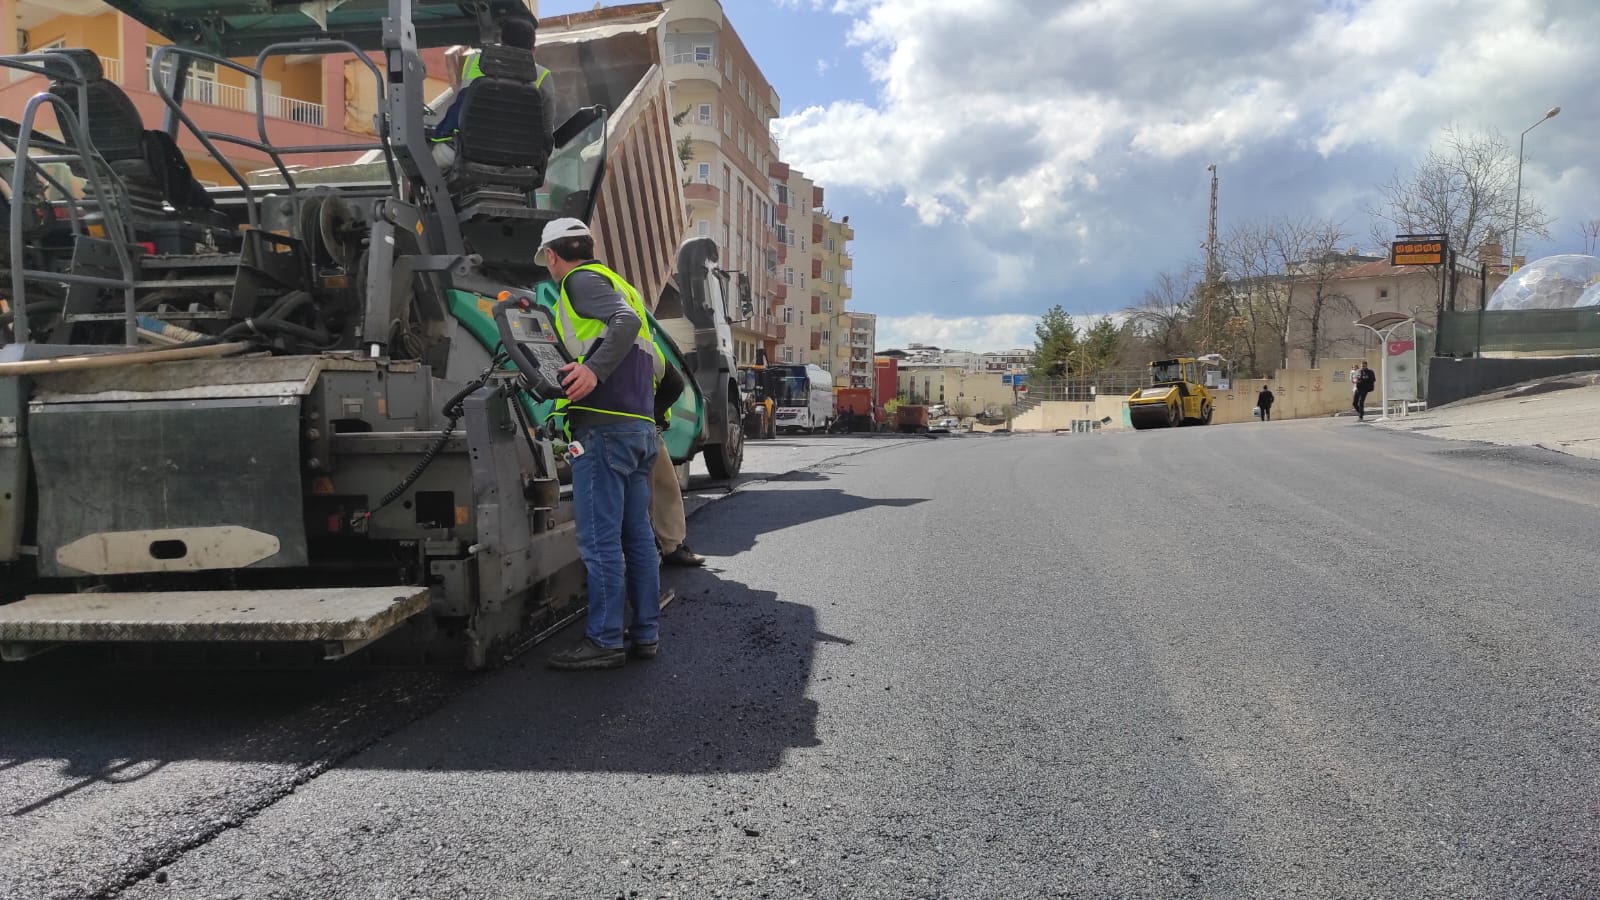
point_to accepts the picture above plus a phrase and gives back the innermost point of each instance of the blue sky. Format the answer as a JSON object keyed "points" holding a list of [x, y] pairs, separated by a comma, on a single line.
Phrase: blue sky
{"points": [[1000, 156]]}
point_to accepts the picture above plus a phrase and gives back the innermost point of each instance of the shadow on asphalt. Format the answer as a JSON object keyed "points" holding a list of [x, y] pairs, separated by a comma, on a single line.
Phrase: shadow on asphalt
{"points": [[726, 694], [752, 512]]}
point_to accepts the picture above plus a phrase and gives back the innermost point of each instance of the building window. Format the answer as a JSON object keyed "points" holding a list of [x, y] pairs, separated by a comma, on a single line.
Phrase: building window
{"points": [[727, 123], [727, 178], [788, 315], [802, 244], [830, 245], [727, 64], [1383, 293], [788, 275], [827, 275], [827, 306], [704, 115], [703, 228], [703, 173], [702, 53]]}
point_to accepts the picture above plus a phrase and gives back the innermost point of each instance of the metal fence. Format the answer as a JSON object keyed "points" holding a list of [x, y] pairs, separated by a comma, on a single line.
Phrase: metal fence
{"points": [[1114, 383], [1467, 334]]}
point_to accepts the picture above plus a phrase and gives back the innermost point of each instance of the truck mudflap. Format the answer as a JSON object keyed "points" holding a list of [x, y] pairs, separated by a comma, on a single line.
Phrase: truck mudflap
{"points": [[343, 619]]}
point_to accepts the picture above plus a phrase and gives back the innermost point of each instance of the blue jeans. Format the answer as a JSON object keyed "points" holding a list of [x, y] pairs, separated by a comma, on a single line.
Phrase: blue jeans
{"points": [[611, 493]]}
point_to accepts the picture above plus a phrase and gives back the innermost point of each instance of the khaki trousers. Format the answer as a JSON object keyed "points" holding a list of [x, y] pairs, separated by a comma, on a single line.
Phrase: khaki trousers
{"points": [[666, 503]]}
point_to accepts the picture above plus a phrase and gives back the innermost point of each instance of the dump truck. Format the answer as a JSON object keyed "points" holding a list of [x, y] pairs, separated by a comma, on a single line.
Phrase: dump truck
{"points": [[1177, 395], [911, 418], [306, 415], [853, 406]]}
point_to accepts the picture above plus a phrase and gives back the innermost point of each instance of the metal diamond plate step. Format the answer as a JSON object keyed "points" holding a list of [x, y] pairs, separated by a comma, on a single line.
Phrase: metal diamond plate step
{"points": [[347, 615]]}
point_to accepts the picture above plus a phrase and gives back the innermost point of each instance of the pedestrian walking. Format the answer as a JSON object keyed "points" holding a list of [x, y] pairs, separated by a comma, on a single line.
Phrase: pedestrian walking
{"points": [[1264, 401], [1366, 380], [609, 416]]}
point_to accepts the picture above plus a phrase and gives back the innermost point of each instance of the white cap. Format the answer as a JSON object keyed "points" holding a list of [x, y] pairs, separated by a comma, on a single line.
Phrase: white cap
{"points": [[555, 231]]}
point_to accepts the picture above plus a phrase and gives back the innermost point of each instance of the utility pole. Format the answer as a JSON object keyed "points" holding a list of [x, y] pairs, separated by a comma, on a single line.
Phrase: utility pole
{"points": [[1209, 335], [1211, 231]]}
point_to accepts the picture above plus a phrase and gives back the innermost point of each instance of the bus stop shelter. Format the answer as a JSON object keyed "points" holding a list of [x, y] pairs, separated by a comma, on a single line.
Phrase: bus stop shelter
{"points": [[1392, 328]]}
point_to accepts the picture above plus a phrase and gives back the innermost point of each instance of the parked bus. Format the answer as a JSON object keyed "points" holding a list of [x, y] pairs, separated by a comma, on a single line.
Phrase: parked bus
{"points": [[803, 396]]}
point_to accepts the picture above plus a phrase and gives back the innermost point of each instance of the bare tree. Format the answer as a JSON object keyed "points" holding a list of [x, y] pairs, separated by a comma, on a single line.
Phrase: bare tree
{"points": [[1257, 300], [1161, 315], [1464, 187], [1313, 257], [1589, 230]]}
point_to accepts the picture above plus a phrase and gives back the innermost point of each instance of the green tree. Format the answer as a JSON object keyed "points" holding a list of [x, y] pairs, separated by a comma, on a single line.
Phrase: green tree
{"points": [[1100, 348], [1056, 343]]}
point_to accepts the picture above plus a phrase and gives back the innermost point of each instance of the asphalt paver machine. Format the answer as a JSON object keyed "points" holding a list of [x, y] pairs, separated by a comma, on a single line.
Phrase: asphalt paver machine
{"points": [[302, 413]]}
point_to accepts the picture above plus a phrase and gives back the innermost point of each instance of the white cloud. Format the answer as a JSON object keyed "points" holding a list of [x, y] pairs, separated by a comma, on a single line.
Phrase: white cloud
{"points": [[1075, 133], [980, 333], [1002, 331]]}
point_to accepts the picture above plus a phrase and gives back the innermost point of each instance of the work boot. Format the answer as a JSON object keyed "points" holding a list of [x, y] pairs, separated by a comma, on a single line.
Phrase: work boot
{"points": [[588, 655], [683, 557]]}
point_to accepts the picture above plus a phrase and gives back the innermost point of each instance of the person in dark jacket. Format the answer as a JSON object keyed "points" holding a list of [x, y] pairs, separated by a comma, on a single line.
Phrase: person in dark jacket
{"points": [[1366, 380], [1264, 401]]}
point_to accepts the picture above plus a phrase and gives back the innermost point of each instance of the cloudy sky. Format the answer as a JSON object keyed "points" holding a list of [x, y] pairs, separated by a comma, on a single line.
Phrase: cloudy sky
{"points": [[1000, 156]]}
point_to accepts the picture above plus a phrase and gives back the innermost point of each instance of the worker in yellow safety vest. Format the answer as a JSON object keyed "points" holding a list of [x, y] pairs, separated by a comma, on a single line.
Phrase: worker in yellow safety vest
{"points": [[515, 32], [609, 409]]}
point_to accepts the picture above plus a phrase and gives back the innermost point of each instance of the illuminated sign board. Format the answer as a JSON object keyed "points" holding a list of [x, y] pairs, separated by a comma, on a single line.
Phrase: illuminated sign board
{"points": [[1419, 250]]}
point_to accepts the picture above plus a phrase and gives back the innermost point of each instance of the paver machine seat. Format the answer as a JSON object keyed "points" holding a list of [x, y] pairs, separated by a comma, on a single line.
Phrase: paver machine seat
{"points": [[148, 162], [504, 143]]}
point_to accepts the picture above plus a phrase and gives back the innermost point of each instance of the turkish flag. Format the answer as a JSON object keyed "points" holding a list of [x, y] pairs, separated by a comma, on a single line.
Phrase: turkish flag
{"points": [[1398, 348]]}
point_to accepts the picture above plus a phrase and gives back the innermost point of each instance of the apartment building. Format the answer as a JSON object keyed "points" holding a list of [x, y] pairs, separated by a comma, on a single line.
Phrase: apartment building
{"points": [[830, 289], [304, 94], [863, 343], [723, 109], [792, 193], [1008, 361]]}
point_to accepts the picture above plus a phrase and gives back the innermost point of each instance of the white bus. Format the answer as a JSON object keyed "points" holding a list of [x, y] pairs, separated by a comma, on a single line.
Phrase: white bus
{"points": [[802, 396]]}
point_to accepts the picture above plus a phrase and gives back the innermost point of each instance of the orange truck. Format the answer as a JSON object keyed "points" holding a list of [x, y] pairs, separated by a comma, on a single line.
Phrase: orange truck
{"points": [[911, 419], [854, 405]]}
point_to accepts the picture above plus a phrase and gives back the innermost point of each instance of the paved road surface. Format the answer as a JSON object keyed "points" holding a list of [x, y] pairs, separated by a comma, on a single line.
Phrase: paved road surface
{"points": [[1311, 659]]}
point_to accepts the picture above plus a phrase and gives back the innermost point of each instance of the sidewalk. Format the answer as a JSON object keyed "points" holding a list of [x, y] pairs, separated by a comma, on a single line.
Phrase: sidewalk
{"points": [[1560, 413]]}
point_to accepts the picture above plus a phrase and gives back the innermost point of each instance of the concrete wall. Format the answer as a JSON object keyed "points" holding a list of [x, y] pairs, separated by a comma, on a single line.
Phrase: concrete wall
{"points": [[1301, 394]]}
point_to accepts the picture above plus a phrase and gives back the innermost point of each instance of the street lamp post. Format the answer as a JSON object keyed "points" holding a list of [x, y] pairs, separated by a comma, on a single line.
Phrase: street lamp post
{"points": [[1516, 213]]}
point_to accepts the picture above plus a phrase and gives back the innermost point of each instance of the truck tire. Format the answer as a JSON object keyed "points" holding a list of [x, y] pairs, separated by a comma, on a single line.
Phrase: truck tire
{"points": [[724, 460]]}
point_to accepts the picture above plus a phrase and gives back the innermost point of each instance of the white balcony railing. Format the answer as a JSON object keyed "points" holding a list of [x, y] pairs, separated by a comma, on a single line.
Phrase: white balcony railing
{"points": [[693, 59], [233, 96], [112, 68]]}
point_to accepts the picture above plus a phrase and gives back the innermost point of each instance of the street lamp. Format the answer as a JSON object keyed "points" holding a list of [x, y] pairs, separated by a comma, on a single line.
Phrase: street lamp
{"points": [[1516, 214]]}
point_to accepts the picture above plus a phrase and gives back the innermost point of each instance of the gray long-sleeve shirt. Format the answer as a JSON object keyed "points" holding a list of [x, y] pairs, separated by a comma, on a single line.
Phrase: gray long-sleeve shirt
{"points": [[593, 297]]}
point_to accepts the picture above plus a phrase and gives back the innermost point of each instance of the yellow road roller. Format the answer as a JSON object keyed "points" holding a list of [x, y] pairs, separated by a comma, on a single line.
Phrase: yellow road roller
{"points": [[1177, 395]]}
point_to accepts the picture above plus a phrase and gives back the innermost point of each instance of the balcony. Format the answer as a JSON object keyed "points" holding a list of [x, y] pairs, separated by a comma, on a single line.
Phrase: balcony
{"points": [[702, 192], [845, 262], [696, 130], [783, 214], [685, 67]]}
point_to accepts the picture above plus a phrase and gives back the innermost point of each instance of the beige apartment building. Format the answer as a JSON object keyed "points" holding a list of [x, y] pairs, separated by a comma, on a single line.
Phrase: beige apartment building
{"points": [[863, 344], [792, 194], [830, 291], [723, 108]]}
